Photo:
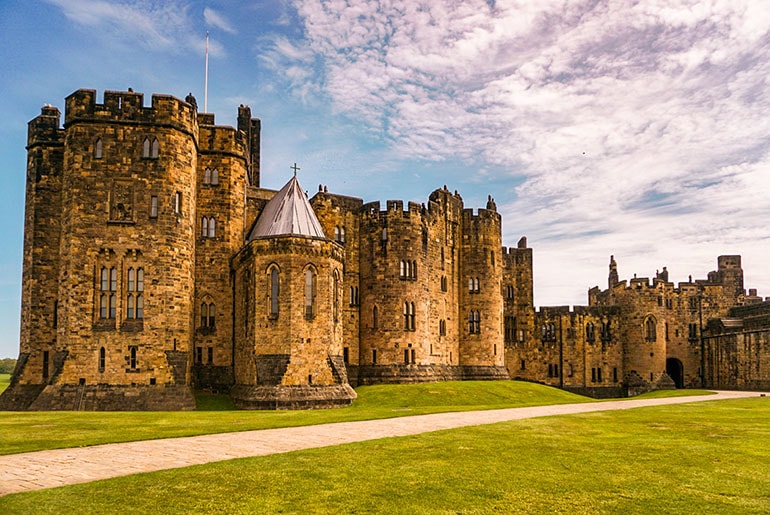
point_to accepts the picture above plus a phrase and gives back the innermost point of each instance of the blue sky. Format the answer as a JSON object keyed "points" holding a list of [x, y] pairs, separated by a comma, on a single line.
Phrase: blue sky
{"points": [[638, 129]]}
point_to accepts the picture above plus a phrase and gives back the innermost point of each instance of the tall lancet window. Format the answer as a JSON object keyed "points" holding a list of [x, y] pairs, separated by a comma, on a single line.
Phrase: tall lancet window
{"points": [[274, 291], [310, 292]]}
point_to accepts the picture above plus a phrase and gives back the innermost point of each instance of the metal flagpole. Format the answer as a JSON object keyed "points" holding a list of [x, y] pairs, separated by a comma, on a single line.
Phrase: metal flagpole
{"points": [[206, 78]]}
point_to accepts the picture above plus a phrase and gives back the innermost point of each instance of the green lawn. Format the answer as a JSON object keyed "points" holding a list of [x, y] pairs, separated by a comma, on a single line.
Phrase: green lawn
{"points": [[4, 380], [707, 457], [30, 431]]}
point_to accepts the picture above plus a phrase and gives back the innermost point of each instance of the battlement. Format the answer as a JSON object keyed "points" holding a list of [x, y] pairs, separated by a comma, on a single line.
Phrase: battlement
{"points": [[128, 107], [596, 311], [470, 214], [393, 208], [44, 128], [223, 139]]}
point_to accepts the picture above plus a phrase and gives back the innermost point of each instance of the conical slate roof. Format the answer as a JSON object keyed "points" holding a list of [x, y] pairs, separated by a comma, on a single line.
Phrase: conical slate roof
{"points": [[288, 212]]}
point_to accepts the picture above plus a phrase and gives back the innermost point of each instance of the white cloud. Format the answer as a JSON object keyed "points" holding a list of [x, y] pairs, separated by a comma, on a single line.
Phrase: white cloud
{"points": [[215, 19], [155, 25], [635, 126]]}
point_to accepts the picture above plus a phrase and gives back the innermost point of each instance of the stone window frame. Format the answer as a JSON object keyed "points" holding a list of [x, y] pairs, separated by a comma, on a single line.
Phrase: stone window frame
{"points": [[273, 273], [474, 322], [108, 292], [339, 233], [409, 316], [150, 148], [650, 328], [211, 176], [605, 332], [133, 358], [549, 332], [355, 300], [135, 293], [207, 313], [208, 227], [177, 203], [473, 285], [153, 206], [590, 332], [310, 275]]}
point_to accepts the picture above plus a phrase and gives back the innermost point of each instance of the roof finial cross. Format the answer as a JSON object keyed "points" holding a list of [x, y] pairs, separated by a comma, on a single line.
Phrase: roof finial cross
{"points": [[295, 168]]}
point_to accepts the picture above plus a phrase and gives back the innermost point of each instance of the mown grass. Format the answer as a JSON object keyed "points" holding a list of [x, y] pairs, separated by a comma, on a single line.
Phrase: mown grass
{"points": [[4, 380], [31, 431], [707, 457]]}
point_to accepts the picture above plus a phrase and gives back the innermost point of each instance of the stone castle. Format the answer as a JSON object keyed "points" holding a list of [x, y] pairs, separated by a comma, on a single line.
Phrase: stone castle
{"points": [[154, 263]]}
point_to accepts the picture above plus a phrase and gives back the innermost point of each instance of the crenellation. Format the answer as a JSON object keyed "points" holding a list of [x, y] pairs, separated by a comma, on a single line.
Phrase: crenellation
{"points": [[146, 273]]}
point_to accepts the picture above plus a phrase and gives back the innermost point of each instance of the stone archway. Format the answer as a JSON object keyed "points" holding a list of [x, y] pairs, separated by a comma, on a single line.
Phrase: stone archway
{"points": [[675, 371]]}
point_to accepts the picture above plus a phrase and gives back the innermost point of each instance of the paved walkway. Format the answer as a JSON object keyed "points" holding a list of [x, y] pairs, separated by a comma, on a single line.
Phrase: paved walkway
{"points": [[46, 469]]}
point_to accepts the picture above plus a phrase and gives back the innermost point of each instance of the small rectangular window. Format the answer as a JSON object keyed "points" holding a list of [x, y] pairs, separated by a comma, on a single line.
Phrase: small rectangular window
{"points": [[211, 355], [153, 207], [177, 202]]}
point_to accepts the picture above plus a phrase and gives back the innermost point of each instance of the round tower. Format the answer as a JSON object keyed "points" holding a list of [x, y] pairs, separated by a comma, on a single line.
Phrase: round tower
{"points": [[288, 348], [481, 299], [127, 254]]}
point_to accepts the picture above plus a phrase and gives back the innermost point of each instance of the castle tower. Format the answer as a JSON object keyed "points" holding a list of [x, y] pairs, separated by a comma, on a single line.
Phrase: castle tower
{"points": [[482, 350], [40, 276], [226, 157], [288, 323], [612, 280], [124, 263]]}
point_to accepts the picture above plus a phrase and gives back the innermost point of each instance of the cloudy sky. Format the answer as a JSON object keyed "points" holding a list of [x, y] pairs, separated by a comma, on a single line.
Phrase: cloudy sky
{"points": [[633, 128]]}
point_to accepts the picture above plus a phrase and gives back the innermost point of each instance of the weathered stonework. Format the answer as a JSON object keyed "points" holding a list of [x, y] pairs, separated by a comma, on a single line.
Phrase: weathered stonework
{"points": [[142, 280]]}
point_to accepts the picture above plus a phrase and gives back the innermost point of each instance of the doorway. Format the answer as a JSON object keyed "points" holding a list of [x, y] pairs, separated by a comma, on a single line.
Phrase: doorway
{"points": [[675, 371]]}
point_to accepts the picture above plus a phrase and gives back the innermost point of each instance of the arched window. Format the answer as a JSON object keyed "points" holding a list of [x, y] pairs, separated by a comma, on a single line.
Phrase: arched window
{"points": [[375, 318], [470, 285], [212, 227], [411, 316], [155, 148], [414, 270], [132, 356], [204, 314], [102, 359], [310, 292], [207, 176], [337, 233], [342, 234], [204, 227], [98, 148], [590, 332], [650, 329], [275, 289], [113, 301], [212, 314], [146, 147], [605, 331], [384, 233], [214, 177]]}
